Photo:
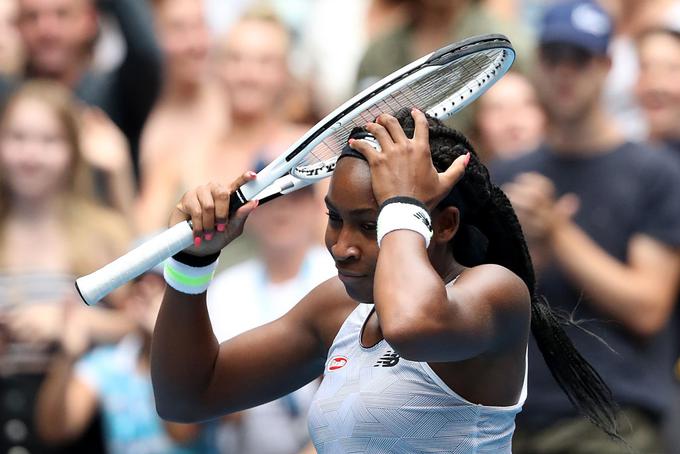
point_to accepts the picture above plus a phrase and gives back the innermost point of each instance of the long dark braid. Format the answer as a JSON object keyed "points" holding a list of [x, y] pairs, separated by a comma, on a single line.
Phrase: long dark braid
{"points": [[491, 233]]}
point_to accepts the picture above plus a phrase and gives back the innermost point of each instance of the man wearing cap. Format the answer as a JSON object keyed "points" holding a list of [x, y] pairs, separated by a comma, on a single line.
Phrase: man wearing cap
{"points": [[602, 219]]}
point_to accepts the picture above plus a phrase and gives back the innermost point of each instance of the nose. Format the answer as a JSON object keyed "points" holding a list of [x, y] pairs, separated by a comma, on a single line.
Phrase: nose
{"points": [[345, 247]]}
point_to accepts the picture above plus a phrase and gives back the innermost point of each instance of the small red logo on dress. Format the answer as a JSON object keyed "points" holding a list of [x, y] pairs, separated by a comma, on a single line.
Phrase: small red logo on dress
{"points": [[337, 362]]}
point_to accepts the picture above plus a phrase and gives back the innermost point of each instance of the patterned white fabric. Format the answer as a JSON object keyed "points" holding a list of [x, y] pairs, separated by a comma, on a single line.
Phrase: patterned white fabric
{"points": [[372, 401]]}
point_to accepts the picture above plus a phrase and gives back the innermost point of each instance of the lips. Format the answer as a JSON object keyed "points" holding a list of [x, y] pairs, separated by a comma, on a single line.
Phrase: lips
{"points": [[349, 274]]}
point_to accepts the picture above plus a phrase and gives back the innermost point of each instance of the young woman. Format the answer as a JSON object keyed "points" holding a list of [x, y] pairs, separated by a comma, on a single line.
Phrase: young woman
{"points": [[50, 232], [421, 337]]}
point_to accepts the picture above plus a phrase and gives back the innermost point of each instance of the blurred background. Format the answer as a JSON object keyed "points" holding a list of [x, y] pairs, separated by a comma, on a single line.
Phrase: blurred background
{"points": [[112, 109]]}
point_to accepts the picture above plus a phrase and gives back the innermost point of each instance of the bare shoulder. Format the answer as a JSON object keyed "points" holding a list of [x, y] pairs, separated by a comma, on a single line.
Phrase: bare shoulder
{"points": [[325, 308], [497, 284], [500, 293]]}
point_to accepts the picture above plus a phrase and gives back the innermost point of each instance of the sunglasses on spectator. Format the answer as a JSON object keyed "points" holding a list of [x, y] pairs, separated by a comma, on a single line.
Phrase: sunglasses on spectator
{"points": [[553, 54]]}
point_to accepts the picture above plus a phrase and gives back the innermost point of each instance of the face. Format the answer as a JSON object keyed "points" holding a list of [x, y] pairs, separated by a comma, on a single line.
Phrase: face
{"points": [[509, 117], [185, 38], [35, 155], [253, 67], [277, 226], [56, 33], [657, 86], [351, 230], [569, 81]]}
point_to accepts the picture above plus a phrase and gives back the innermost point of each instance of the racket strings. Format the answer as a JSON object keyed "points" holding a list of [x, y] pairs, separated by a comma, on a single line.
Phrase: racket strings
{"points": [[439, 93]]}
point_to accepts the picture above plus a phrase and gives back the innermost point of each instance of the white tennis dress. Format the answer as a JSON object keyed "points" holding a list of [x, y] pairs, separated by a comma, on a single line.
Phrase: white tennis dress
{"points": [[373, 401]]}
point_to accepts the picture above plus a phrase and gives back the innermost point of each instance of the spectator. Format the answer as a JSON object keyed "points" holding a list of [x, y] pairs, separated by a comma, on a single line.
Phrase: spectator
{"points": [[657, 86], [59, 36], [11, 51], [115, 378], [190, 113], [333, 55], [432, 24], [603, 222], [288, 265], [252, 67], [49, 232], [630, 19], [509, 119]]}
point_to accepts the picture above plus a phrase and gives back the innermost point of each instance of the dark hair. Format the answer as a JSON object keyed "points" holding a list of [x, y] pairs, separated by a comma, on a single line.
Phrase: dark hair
{"points": [[491, 233]]}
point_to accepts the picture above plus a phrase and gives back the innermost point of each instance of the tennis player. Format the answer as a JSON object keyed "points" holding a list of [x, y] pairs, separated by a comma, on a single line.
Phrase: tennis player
{"points": [[422, 336]]}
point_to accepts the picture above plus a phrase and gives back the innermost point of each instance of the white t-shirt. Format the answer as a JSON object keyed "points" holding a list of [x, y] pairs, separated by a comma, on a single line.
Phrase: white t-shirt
{"points": [[242, 298]]}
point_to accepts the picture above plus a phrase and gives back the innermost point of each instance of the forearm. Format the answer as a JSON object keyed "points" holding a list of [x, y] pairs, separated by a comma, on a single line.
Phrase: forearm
{"points": [[51, 412], [410, 297], [183, 354], [613, 286]]}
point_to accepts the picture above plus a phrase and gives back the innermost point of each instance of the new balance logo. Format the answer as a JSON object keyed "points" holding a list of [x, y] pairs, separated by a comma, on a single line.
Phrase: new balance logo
{"points": [[424, 220], [389, 359]]}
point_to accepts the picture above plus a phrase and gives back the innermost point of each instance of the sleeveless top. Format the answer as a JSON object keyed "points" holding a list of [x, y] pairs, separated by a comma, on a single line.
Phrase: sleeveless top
{"points": [[373, 401]]}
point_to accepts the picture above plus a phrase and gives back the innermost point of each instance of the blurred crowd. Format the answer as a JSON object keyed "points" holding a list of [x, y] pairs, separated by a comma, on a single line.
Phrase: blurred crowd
{"points": [[112, 109]]}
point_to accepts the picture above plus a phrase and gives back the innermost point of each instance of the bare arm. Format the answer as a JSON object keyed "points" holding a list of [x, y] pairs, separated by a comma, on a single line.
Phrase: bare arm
{"points": [[639, 293], [196, 378], [419, 316], [486, 310], [65, 404]]}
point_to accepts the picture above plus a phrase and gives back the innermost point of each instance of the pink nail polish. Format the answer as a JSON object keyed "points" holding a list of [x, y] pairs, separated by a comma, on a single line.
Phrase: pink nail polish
{"points": [[467, 159], [208, 236], [197, 241], [251, 174], [221, 227]]}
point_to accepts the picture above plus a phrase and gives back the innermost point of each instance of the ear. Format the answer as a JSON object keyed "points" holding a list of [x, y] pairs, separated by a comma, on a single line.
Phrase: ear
{"points": [[445, 224]]}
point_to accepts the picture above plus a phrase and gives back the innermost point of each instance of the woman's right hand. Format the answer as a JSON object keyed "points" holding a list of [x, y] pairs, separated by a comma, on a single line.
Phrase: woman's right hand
{"points": [[207, 207]]}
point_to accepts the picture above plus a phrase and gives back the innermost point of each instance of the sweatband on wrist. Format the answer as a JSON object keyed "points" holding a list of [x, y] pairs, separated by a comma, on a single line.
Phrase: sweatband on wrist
{"points": [[188, 279], [401, 213]]}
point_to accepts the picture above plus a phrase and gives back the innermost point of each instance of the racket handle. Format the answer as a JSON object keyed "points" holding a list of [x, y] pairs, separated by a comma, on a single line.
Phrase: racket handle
{"points": [[97, 285]]}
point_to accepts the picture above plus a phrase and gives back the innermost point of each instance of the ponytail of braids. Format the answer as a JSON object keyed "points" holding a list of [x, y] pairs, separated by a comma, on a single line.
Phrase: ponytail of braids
{"points": [[491, 233]]}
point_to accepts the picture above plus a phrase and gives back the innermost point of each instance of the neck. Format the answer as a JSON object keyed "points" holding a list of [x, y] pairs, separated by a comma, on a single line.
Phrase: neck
{"points": [[179, 91], [69, 76], [247, 128], [433, 26], [283, 265], [441, 18], [592, 132], [35, 210]]}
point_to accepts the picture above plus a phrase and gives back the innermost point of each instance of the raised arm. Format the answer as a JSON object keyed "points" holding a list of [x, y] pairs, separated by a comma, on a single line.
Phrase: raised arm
{"points": [[196, 378], [422, 318]]}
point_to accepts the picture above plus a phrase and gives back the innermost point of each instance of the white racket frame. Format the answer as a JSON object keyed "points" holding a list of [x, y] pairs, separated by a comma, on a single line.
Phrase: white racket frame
{"points": [[269, 181]]}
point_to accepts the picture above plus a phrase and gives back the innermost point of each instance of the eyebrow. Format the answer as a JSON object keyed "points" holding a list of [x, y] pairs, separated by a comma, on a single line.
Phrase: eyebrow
{"points": [[354, 212]]}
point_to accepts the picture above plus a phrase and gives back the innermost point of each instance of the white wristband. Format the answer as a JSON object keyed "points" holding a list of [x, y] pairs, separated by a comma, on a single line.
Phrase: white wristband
{"points": [[191, 280], [404, 216]]}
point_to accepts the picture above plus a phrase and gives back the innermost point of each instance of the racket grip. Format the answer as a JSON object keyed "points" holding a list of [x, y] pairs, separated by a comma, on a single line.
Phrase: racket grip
{"points": [[97, 285]]}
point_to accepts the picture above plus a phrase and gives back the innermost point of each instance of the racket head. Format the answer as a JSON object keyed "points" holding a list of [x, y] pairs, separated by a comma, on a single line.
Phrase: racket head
{"points": [[439, 84]]}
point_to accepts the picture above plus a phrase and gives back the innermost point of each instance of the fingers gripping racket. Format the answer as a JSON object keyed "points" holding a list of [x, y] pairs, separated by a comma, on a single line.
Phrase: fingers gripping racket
{"points": [[439, 84]]}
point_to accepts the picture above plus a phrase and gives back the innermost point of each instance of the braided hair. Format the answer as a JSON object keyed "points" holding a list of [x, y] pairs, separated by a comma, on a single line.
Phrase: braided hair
{"points": [[490, 233]]}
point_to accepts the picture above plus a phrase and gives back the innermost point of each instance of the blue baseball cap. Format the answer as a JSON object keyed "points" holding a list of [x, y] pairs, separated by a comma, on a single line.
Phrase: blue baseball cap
{"points": [[582, 23]]}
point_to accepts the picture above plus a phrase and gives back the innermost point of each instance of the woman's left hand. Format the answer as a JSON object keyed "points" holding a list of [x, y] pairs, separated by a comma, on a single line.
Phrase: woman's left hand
{"points": [[404, 166]]}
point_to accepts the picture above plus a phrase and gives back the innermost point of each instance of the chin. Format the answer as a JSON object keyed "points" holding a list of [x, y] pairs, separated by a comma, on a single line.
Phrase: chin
{"points": [[359, 295]]}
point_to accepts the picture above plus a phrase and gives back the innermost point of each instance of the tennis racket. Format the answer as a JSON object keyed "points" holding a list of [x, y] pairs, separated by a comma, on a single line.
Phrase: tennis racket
{"points": [[439, 84]]}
